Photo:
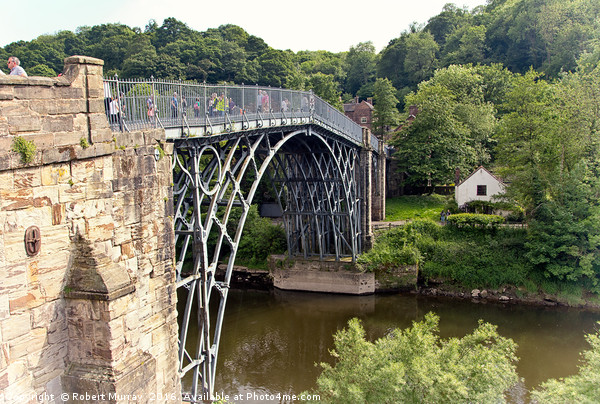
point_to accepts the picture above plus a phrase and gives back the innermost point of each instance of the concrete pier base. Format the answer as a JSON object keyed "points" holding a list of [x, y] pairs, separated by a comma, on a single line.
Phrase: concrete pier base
{"points": [[319, 276]]}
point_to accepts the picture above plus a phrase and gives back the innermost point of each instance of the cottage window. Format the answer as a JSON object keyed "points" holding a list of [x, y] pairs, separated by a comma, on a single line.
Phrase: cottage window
{"points": [[363, 119], [482, 190]]}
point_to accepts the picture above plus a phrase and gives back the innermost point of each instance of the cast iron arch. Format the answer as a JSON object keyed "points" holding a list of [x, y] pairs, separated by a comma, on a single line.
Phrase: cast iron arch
{"points": [[315, 177]]}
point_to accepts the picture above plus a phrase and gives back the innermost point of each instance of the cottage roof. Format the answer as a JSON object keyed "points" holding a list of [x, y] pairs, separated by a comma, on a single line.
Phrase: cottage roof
{"points": [[486, 170]]}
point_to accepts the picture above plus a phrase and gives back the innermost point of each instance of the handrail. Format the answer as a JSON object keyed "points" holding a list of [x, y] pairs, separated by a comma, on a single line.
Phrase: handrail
{"points": [[134, 104]]}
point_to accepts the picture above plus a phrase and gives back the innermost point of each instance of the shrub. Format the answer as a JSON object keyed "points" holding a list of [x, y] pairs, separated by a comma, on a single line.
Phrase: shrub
{"points": [[417, 366], [260, 238], [579, 388], [475, 220], [26, 148]]}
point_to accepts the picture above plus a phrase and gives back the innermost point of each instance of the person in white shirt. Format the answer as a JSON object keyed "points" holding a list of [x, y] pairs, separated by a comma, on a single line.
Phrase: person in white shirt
{"points": [[15, 70]]}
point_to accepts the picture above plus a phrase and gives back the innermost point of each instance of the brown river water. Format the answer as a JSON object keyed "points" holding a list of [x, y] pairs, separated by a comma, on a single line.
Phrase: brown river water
{"points": [[271, 340]]}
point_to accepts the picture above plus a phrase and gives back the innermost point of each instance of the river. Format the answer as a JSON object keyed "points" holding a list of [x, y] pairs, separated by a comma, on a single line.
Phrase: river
{"points": [[271, 340]]}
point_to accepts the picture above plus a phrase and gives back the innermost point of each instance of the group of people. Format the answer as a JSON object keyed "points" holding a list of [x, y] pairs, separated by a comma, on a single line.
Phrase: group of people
{"points": [[444, 216], [14, 65], [218, 105]]}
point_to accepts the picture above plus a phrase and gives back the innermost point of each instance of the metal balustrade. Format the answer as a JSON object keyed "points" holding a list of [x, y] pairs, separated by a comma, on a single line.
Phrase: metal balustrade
{"points": [[183, 107]]}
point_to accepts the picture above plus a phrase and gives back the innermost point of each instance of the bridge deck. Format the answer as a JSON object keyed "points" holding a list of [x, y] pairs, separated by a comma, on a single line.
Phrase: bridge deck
{"points": [[186, 109]]}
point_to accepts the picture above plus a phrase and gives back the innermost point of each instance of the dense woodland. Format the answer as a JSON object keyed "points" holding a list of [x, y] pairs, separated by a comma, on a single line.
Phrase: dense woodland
{"points": [[513, 85]]}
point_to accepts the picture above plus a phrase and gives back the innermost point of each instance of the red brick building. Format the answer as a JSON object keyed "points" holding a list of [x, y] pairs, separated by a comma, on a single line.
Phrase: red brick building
{"points": [[360, 112]]}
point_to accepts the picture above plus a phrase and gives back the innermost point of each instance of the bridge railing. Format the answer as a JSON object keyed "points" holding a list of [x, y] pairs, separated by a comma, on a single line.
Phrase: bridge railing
{"points": [[134, 104]]}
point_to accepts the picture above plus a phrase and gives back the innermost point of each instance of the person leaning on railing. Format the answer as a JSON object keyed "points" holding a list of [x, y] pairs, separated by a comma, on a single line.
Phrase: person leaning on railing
{"points": [[15, 70]]}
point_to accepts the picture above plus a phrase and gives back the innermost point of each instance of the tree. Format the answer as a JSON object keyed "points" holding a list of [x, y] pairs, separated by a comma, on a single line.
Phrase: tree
{"points": [[452, 130], [524, 150], [416, 366], [361, 61], [583, 387], [276, 68], [564, 237], [465, 45], [448, 20], [325, 87], [421, 56], [385, 114]]}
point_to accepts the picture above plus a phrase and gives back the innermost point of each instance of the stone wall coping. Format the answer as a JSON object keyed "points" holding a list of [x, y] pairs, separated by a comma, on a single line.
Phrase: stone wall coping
{"points": [[83, 60], [35, 81]]}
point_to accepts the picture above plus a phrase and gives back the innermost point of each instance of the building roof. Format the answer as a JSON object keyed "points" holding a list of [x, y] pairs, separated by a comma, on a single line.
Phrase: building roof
{"points": [[350, 107], [486, 170]]}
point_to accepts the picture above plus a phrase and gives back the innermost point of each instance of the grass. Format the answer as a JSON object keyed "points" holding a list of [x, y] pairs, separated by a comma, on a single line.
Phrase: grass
{"points": [[415, 207]]}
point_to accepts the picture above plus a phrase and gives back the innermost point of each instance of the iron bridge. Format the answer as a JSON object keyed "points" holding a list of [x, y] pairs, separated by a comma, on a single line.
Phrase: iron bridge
{"points": [[228, 140]]}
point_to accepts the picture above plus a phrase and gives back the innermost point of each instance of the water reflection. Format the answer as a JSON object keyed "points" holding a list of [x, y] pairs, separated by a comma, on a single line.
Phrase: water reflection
{"points": [[272, 340]]}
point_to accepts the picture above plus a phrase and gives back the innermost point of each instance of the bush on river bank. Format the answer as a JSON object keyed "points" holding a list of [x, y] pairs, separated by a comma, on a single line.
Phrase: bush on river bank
{"points": [[467, 257], [472, 257]]}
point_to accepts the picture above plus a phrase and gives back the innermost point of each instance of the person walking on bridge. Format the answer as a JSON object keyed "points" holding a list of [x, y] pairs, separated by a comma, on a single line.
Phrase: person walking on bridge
{"points": [[174, 104]]}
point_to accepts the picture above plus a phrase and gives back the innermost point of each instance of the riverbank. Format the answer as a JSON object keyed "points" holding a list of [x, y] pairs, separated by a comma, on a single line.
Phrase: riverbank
{"points": [[511, 295], [258, 279]]}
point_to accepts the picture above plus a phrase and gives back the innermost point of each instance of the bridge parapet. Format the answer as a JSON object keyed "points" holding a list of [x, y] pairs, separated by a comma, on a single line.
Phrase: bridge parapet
{"points": [[186, 108]]}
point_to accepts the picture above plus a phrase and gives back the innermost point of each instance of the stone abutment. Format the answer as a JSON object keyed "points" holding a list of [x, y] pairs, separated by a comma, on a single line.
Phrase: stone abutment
{"points": [[87, 293]]}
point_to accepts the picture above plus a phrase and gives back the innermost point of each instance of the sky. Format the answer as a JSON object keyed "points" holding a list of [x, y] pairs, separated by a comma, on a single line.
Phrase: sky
{"points": [[283, 24]]}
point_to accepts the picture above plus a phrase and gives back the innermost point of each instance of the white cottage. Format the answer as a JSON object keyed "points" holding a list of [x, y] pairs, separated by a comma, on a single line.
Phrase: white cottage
{"points": [[481, 185]]}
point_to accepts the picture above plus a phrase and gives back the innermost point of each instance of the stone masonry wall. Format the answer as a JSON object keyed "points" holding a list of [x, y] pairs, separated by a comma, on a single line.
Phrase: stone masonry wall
{"points": [[94, 311]]}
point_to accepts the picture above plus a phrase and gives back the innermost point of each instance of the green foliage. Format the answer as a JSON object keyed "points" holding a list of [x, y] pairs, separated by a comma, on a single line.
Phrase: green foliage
{"points": [[385, 113], [584, 387], [83, 143], [475, 220], [415, 207], [471, 257], [564, 236], [26, 148], [416, 366], [260, 238], [361, 62], [452, 129]]}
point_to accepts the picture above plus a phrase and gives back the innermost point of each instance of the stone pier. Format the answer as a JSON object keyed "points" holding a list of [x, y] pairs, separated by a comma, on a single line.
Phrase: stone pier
{"points": [[87, 294]]}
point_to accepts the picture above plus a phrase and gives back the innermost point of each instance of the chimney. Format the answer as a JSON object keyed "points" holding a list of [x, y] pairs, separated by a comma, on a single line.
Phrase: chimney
{"points": [[370, 100], [413, 110], [356, 100], [456, 176]]}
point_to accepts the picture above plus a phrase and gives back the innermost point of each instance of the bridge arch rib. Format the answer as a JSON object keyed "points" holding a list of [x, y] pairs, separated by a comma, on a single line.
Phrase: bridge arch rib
{"points": [[316, 180]]}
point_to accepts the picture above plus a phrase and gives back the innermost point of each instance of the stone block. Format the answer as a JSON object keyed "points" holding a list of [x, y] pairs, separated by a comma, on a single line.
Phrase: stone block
{"points": [[99, 190], [60, 123], [6, 93], [97, 121], [96, 105], [34, 92], [66, 93], [54, 174], [31, 300], [102, 134], [4, 306], [53, 312], [58, 106], [16, 199], [45, 196], [70, 193], [6, 180], [66, 138], [25, 123], [28, 178], [82, 171], [17, 108], [100, 228], [16, 325]]}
